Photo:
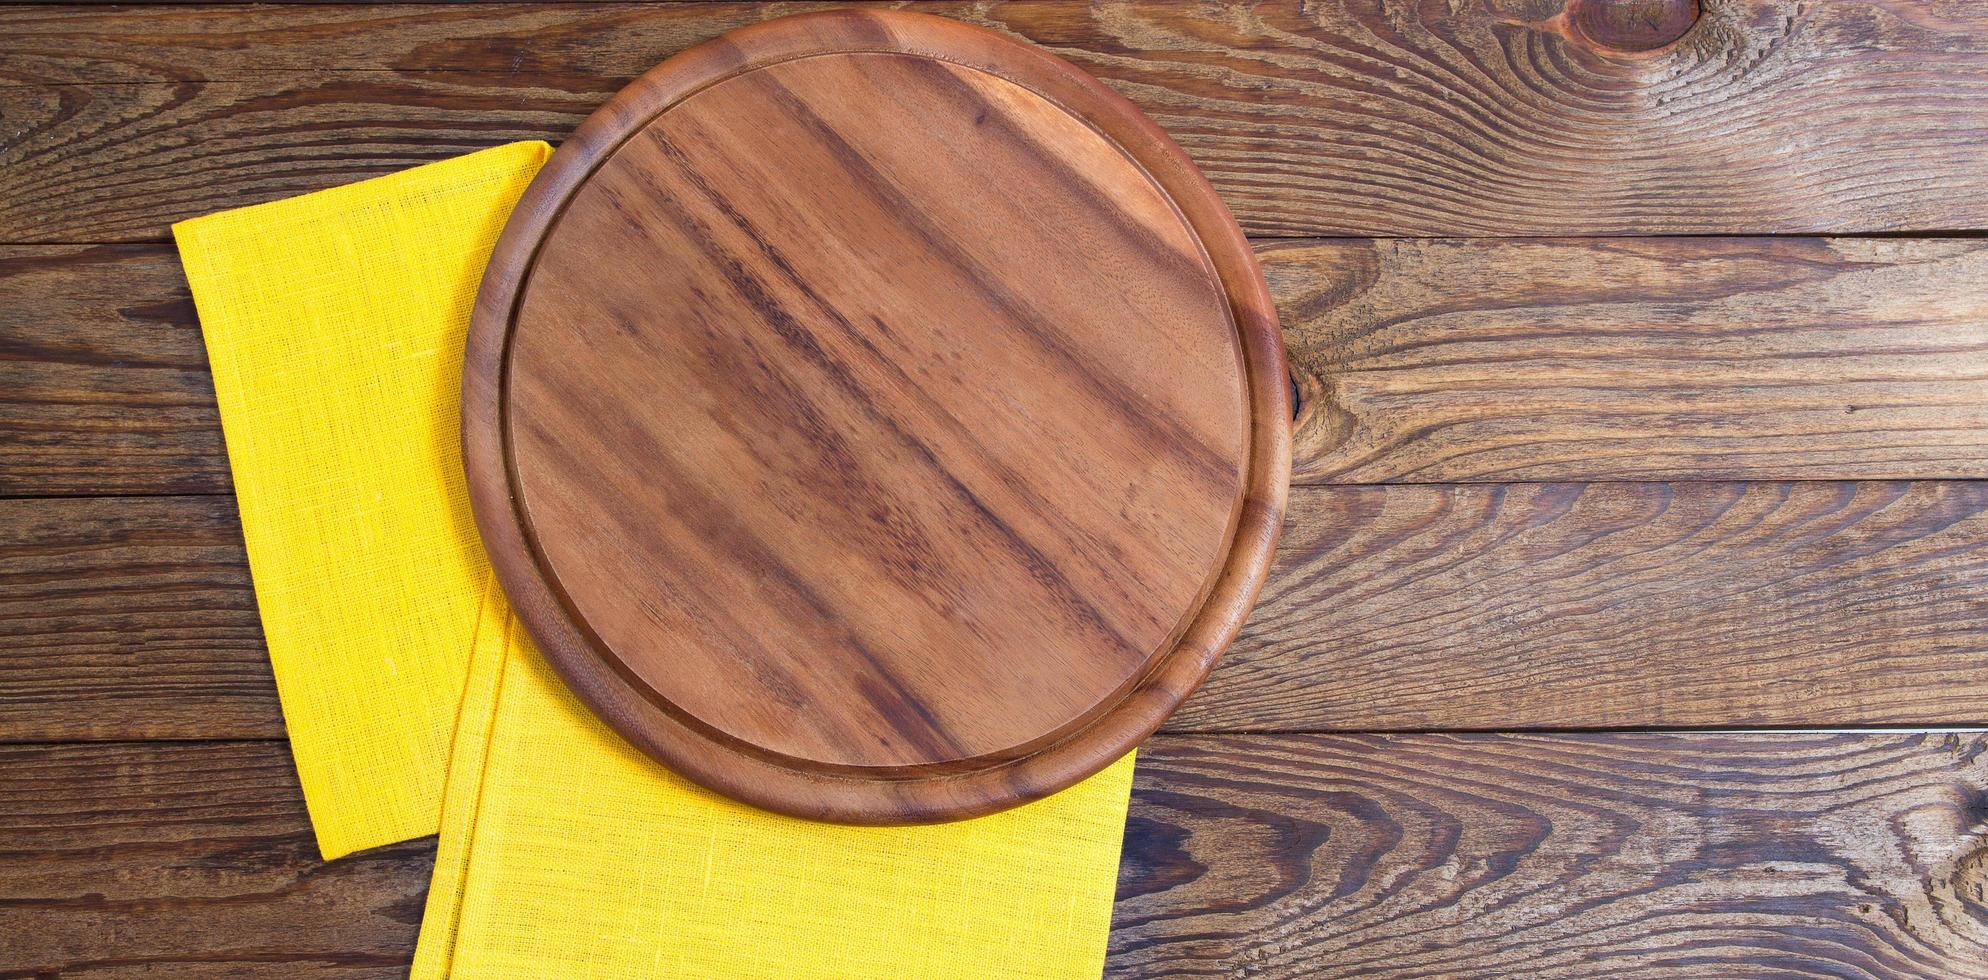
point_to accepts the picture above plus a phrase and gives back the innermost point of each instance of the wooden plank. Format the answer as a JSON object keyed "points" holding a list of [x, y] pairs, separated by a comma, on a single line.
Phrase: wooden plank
{"points": [[1615, 605], [121, 162], [1562, 856], [129, 619], [1267, 856], [1389, 608], [188, 860], [1335, 118], [1475, 360], [1611, 359], [104, 386]]}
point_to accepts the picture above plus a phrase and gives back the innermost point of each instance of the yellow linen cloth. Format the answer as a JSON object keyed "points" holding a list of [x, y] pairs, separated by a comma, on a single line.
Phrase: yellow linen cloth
{"points": [[416, 703], [335, 324]]}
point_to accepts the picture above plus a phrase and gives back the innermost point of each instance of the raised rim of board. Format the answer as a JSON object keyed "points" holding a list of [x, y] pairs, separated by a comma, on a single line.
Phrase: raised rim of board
{"points": [[723, 763]]}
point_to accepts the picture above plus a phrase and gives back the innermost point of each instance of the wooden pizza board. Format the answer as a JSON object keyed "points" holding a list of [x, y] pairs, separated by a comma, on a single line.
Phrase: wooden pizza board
{"points": [[876, 419]]}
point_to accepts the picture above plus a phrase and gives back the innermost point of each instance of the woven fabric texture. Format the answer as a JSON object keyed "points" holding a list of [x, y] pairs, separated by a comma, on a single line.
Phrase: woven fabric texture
{"points": [[334, 324], [416, 703]]}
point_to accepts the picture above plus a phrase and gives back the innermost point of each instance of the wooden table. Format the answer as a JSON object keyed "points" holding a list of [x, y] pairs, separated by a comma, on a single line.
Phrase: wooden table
{"points": [[1632, 613]]}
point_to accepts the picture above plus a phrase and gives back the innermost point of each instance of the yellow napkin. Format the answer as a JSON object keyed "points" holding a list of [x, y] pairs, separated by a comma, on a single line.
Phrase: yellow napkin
{"points": [[416, 703], [334, 325]]}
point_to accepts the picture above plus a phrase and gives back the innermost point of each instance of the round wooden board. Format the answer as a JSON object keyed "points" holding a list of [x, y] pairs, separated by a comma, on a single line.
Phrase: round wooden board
{"points": [[876, 419]]}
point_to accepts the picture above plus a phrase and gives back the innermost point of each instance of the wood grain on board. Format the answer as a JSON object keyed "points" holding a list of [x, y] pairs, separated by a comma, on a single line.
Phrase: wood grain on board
{"points": [[1505, 607], [1572, 359], [942, 478], [1265, 856], [1494, 117]]}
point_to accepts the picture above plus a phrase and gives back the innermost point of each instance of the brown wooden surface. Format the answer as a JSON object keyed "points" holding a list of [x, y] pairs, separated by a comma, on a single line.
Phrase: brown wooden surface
{"points": [[1557, 856], [1626, 605], [1849, 855], [1638, 359], [974, 435], [188, 859], [130, 619], [1462, 599], [1481, 117], [104, 385], [1544, 606], [1569, 359]]}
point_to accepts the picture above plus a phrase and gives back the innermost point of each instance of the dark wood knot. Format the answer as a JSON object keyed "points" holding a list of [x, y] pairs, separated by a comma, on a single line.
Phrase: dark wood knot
{"points": [[1631, 25]]}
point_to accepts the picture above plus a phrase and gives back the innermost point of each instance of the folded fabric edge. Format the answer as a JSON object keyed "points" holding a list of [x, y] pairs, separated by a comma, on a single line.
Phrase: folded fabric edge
{"points": [[480, 164], [462, 794]]}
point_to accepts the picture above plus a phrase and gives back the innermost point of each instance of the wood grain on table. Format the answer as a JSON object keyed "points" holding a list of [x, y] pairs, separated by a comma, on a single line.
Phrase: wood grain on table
{"points": [[1355, 117], [1292, 855], [1555, 478], [1503, 607]]}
